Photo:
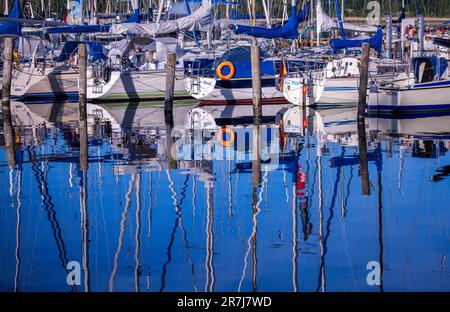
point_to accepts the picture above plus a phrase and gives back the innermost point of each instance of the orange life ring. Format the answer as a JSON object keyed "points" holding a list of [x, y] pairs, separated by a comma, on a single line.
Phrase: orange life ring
{"points": [[230, 141], [220, 68]]}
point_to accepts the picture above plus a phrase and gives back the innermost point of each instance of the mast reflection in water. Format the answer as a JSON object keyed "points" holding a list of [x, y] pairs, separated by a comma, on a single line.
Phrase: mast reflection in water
{"points": [[141, 219]]}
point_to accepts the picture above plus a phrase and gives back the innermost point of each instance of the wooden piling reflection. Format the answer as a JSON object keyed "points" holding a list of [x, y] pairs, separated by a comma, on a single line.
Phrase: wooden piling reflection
{"points": [[256, 184], [362, 141], [172, 162], [380, 225], [254, 237], [256, 157], [82, 81], [85, 231], [6, 101]]}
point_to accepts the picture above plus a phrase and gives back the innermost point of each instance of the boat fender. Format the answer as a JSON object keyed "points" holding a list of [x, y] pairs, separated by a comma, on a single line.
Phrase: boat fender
{"points": [[107, 74], [72, 60], [305, 89], [16, 56], [228, 142], [220, 68]]}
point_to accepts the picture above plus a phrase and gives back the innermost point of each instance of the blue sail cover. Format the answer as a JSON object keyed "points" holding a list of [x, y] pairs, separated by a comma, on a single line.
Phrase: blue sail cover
{"points": [[82, 29], [339, 16], [288, 31], [79, 29], [241, 59], [402, 16], [95, 50], [11, 28], [135, 17], [375, 42]]}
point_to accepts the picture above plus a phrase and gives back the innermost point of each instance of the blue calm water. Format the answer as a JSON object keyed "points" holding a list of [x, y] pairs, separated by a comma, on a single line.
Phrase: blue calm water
{"points": [[138, 221]]}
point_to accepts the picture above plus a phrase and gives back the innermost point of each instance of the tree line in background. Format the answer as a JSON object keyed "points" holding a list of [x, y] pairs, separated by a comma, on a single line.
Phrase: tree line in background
{"points": [[353, 8]]}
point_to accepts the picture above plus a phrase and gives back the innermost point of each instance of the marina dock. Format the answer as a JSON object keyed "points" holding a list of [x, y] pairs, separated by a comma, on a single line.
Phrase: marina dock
{"points": [[207, 146]]}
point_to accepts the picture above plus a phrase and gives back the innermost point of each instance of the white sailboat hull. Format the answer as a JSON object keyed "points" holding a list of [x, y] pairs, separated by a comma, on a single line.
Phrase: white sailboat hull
{"points": [[135, 85], [426, 96], [33, 82], [233, 91], [337, 91]]}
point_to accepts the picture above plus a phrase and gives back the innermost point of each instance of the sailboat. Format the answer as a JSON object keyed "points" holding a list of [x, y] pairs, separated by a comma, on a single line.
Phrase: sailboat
{"points": [[47, 75], [428, 89], [227, 79], [337, 83], [136, 67], [52, 71]]}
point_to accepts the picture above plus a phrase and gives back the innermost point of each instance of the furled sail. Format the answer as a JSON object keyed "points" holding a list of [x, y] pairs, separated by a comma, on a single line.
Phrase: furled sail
{"points": [[326, 23], [201, 19], [11, 28], [287, 31], [375, 42]]}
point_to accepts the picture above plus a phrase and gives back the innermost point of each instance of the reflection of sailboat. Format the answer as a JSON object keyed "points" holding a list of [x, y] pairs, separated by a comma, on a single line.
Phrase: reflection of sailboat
{"points": [[239, 114], [434, 126], [324, 238], [177, 203], [17, 251], [121, 232], [209, 261], [23, 116], [137, 237], [337, 125], [49, 206], [294, 240], [58, 113]]}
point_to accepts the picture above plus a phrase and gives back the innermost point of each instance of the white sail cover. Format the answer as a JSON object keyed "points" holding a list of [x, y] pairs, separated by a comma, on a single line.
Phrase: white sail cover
{"points": [[326, 23], [201, 19]]}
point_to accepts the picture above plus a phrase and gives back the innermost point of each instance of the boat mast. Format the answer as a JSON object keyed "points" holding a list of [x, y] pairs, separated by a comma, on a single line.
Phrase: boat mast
{"points": [[42, 8], [136, 5], [30, 8], [227, 11], [285, 15], [266, 12], [6, 10], [160, 9], [318, 23]]}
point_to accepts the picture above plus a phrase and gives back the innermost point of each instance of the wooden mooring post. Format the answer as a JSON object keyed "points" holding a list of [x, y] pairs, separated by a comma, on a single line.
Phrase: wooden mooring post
{"points": [[256, 156], [168, 107], [170, 84], [82, 118], [362, 141], [6, 101], [256, 72], [256, 83]]}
